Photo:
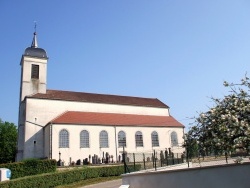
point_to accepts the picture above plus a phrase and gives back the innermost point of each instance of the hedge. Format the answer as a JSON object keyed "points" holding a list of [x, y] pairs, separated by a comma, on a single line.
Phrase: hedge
{"points": [[64, 177], [30, 167]]}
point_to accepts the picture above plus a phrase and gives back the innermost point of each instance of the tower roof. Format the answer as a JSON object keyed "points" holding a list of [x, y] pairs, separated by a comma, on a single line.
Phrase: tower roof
{"points": [[34, 51]]}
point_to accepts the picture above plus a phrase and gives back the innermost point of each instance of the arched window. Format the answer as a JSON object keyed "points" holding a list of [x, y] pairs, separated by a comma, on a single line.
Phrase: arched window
{"points": [[84, 139], [154, 139], [121, 139], [174, 139], [63, 139], [104, 139], [138, 139]]}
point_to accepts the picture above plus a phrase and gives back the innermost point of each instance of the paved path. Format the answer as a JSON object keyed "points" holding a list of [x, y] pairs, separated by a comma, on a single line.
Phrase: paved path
{"points": [[107, 184]]}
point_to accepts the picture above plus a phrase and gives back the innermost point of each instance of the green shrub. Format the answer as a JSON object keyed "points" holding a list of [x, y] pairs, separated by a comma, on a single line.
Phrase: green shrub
{"points": [[64, 177], [30, 167]]}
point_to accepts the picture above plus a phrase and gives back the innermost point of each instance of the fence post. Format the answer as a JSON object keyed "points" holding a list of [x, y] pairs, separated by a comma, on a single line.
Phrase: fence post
{"points": [[167, 159], [134, 160], [155, 160], [124, 162], [161, 157], [144, 161]]}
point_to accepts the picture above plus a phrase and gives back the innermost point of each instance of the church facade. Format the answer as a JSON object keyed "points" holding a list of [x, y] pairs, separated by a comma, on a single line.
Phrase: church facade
{"points": [[76, 125]]}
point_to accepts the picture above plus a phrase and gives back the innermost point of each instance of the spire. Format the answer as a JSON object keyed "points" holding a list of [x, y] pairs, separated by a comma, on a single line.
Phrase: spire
{"points": [[34, 41]]}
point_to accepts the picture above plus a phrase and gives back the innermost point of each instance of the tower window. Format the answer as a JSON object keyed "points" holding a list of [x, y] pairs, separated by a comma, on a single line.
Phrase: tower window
{"points": [[35, 71]]}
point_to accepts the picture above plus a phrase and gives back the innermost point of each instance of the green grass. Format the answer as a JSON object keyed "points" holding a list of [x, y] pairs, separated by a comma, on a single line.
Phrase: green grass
{"points": [[89, 182]]}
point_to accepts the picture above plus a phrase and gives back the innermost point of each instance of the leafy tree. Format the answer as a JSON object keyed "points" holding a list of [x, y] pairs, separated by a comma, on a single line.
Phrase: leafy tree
{"points": [[8, 141], [226, 126]]}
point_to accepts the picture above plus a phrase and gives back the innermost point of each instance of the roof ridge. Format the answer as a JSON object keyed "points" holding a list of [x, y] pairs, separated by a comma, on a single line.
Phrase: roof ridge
{"points": [[103, 94], [99, 98]]}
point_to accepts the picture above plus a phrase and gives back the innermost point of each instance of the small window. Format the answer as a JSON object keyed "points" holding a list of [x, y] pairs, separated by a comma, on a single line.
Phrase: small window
{"points": [[104, 139], [138, 139], [63, 139], [84, 139], [154, 139], [174, 139], [121, 139], [35, 71]]}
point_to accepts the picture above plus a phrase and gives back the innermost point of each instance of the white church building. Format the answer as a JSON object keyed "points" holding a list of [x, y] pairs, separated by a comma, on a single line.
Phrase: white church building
{"points": [[75, 125]]}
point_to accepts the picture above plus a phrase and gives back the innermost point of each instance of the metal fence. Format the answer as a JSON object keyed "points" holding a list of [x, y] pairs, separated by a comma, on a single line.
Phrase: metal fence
{"points": [[151, 160], [222, 159], [157, 159]]}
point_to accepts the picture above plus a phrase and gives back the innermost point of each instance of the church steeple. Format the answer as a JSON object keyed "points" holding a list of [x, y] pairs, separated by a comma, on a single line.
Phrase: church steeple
{"points": [[34, 41], [34, 70], [33, 80]]}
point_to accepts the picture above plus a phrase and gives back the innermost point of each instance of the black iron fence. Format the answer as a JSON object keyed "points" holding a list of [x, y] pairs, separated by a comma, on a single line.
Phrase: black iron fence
{"points": [[156, 159], [151, 160], [217, 158]]}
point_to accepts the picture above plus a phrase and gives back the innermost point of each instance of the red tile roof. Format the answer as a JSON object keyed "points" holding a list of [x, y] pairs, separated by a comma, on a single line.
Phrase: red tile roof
{"points": [[111, 119], [99, 98]]}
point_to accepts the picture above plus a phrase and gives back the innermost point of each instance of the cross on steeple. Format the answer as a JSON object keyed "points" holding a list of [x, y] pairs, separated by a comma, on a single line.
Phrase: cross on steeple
{"points": [[35, 26], [34, 43]]}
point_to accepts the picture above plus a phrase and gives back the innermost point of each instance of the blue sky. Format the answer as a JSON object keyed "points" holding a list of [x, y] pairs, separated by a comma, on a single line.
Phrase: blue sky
{"points": [[175, 50]]}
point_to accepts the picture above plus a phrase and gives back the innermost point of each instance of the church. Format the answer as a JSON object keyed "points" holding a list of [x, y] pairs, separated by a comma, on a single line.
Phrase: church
{"points": [[70, 125]]}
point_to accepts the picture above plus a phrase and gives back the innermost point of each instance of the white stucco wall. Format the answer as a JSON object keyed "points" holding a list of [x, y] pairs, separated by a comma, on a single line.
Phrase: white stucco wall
{"points": [[30, 137], [27, 84], [40, 112], [75, 152], [229, 176]]}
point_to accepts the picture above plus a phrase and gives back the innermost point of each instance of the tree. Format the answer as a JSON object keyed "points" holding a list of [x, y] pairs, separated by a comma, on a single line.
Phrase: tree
{"points": [[226, 126], [8, 142]]}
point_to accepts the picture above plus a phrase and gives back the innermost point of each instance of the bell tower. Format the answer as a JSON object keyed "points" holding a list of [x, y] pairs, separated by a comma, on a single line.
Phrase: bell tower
{"points": [[33, 70], [33, 80]]}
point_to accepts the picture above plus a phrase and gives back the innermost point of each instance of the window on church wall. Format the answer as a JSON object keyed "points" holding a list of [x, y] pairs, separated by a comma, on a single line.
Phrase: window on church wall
{"points": [[121, 139], [154, 139], [138, 139], [63, 139], [174, 139], [84, 139], [103, 139], [35, 71]]}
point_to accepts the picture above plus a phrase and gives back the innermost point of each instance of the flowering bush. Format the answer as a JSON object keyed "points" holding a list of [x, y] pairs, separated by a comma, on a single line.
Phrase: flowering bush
{"points": [[226, 126]]}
